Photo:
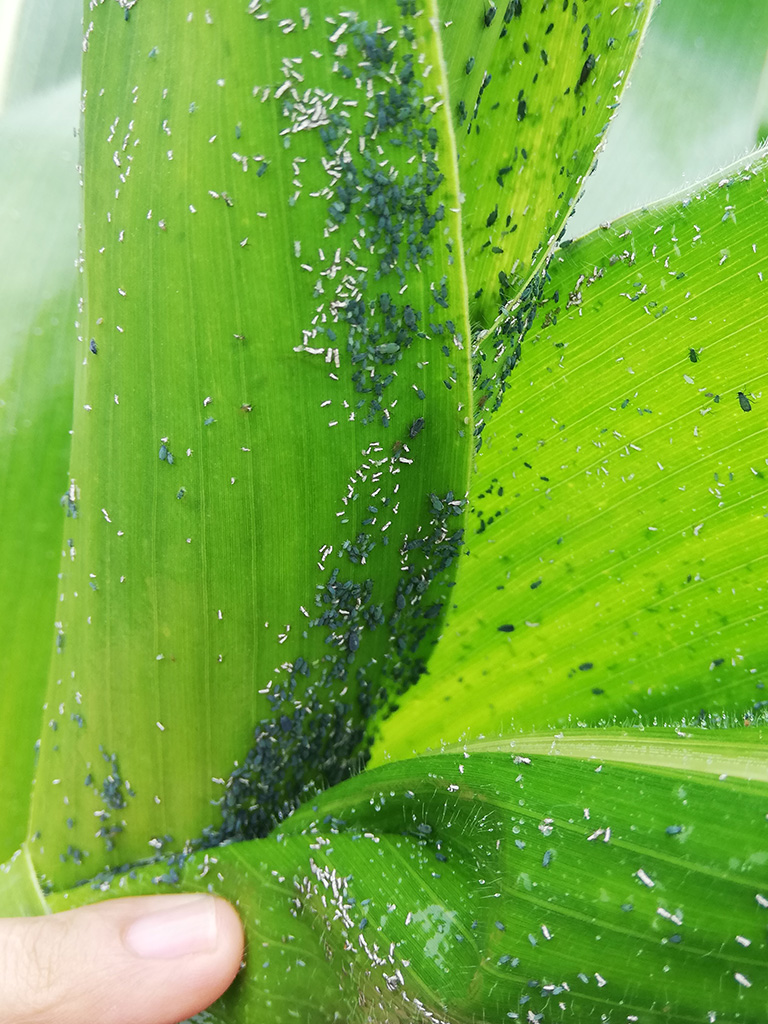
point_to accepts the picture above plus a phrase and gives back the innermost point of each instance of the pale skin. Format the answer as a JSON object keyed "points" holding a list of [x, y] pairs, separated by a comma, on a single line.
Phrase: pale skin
{"points": [[137, 960]]}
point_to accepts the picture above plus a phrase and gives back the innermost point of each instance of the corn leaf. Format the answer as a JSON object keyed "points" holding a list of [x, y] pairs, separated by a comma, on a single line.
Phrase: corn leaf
{"points": [[275, 293], [616, 565], [275, 327], [533, 89], [498, 886]]}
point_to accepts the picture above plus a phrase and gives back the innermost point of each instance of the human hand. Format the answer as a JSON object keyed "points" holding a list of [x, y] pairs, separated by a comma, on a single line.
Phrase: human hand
{"points": [[136, 960]]}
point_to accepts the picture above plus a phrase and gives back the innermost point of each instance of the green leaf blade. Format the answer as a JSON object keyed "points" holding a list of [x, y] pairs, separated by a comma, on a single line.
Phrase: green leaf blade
{"points": [[533, 89], [482, 885], [276, 333], [631, 448]]}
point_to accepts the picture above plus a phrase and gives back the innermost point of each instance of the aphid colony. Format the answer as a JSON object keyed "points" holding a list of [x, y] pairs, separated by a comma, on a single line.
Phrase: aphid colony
{"points": [[385, 192]]}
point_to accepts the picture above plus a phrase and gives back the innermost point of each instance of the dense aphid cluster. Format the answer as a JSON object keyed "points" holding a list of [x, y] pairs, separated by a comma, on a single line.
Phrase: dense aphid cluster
{"points": [[320, 722], [497, 352], [507, 233], [383, 192], [353, 124], [344, 137], [508, 236]]}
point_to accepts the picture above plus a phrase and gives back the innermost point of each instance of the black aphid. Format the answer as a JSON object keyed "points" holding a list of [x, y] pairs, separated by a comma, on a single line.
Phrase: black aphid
{"points": [[163, 453], [490, 14], [514, 10], [507, 628], [409, 317], [93, 347], [416, 427], [744, 402], [692, 355], [586, 70]]}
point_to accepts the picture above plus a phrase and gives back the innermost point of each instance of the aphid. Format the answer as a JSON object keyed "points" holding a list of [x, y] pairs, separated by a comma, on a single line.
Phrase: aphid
{"points": [[589, 65], [507, 628], [416, 427], [163, 453], [490, 14], [93, 347], [181, 492], [692, 355], [744, 402]]}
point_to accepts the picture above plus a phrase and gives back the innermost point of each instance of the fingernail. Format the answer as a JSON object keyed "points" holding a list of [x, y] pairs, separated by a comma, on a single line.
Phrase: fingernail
{"points": [[188, 927]]}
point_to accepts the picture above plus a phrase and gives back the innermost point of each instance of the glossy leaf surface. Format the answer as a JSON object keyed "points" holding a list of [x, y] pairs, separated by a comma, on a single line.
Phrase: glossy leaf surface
{"points": [[618, 537], [490, 886], [275, 293], [275, 334], [533, 89]]}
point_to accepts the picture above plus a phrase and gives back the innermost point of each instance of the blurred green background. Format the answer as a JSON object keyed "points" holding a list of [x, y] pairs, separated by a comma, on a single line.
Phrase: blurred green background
{"points": [[697, 101]]}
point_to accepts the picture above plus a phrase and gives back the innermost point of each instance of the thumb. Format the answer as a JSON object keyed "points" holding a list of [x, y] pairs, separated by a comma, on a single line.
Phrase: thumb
{"points": [[138, 960]]}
